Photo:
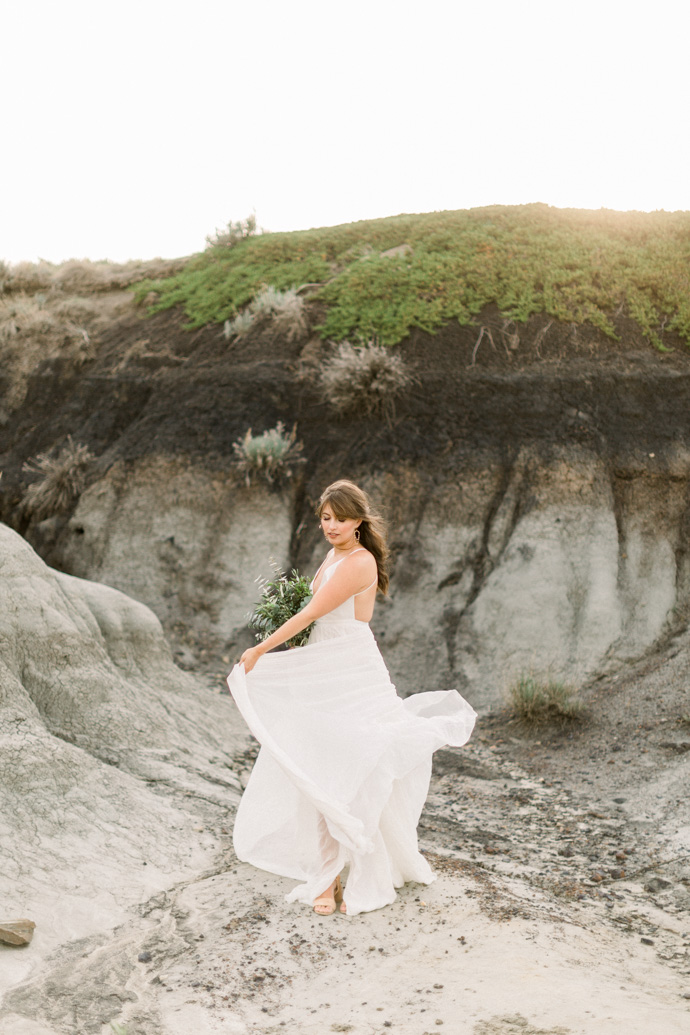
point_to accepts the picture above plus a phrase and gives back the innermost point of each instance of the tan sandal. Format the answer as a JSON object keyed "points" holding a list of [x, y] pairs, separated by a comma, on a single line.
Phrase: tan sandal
{"points": [[325, 904]]}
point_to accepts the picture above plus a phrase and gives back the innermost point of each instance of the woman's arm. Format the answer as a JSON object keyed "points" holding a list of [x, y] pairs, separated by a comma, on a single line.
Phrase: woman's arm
{"points": [[352, 576]]}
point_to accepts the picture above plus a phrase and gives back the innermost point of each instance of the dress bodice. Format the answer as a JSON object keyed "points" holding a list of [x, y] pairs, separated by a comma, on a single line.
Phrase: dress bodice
{"points": [[346, 610]]}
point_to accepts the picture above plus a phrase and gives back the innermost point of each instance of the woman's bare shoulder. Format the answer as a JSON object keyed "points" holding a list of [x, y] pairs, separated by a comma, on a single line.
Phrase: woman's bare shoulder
{"points": [[361, 560]]}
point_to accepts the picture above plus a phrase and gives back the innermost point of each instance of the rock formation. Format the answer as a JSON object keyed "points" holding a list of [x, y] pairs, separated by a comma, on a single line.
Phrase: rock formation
{"points": [[95, 720]]}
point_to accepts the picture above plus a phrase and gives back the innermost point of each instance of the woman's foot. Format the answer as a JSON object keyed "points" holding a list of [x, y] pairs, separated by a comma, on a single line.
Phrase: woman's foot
{"points": [[324, 905]]}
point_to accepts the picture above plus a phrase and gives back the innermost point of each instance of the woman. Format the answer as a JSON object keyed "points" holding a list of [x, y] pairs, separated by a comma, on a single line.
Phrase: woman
{"points": [[345, 764]]}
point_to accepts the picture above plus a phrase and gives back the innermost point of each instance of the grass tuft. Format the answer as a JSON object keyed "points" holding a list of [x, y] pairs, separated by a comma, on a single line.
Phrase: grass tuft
{"points": [[62, 480], [233, 233], [271, 455], [284, 308], [537, 702], [363, 379], [239, 325]]}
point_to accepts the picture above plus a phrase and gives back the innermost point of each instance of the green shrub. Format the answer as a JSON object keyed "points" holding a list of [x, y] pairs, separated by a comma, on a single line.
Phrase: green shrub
{"points": [[271, 455], [364, 379], [538, 701], [281, 598], [62, 482]]}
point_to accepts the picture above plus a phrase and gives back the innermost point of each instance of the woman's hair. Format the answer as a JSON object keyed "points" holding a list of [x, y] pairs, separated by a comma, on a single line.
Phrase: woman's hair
{"points": [[347, 500]]}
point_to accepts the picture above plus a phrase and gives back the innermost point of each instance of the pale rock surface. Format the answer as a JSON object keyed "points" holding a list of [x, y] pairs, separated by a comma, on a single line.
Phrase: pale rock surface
{"points": [[95, 723], [563, 567], [555, 569], [185, 541]]}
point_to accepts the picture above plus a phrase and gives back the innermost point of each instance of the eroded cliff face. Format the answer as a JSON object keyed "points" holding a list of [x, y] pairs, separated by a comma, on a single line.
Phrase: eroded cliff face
{"points": [[536, 490], [561, 566]]}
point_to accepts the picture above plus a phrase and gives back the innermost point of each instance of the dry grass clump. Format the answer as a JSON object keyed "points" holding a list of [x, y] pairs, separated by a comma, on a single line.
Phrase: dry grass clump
{"points": [[31, 332], [62, 480], [285, 309], [364, 379], [28, 277], [82, 276], [26, 316], [537, 702], [233, 233], [49, 311], [80, 310], [239, 325], [271, 455]]}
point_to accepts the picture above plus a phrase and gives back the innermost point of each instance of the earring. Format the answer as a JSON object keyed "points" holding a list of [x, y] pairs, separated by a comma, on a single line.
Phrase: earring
{"points": [[357, 534]]}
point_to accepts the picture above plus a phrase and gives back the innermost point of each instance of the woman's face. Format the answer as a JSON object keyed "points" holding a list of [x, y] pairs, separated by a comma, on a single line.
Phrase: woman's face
{"points": [[339, 533]]}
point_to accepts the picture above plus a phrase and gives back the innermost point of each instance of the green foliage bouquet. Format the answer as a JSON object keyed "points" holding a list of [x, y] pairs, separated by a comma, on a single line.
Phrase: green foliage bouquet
{"points": [[281, 598]]}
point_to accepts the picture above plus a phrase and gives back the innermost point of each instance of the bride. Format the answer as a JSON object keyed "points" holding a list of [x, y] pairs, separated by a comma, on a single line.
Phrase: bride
{"points": [[344, 766]]}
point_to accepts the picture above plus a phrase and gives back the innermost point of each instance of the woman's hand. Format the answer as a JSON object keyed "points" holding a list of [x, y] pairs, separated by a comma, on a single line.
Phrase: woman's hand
{"points": [[250, 658]]}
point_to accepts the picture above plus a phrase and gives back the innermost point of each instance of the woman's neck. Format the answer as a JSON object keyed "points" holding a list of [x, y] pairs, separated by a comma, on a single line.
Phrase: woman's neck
{"points": [[343, 551]]}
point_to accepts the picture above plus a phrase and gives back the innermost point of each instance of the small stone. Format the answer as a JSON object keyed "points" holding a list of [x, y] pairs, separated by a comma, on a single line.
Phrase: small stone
{"points": [[438, 986], [620, 801], [567, 852], [17, 932], [144, 957], [617, 874], [657, 884], [647, 941]]}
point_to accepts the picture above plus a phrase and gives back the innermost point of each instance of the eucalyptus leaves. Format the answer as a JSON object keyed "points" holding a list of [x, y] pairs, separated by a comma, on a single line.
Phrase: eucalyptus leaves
{"points": [[281, 598]]}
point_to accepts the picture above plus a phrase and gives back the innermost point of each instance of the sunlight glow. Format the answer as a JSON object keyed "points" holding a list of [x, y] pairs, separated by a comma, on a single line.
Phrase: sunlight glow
{"points": [[141, 129]]}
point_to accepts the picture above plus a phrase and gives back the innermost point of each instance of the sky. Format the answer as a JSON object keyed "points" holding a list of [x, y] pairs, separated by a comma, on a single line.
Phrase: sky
{"points": [[133, 130]]}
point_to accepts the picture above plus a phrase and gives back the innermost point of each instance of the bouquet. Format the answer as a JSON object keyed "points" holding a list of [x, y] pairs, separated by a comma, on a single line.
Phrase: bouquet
{"points": [[281, 598]]}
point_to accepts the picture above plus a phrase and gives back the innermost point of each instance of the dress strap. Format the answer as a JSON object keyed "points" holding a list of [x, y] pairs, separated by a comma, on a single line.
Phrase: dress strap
{"points": [[370, 586]]}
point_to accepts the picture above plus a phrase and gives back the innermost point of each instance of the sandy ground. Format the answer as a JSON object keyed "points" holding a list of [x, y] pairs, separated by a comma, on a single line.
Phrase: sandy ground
{"points": [[552, 913]]}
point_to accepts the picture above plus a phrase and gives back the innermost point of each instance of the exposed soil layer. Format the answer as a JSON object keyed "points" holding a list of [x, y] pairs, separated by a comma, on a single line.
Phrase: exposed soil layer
{"points": [[490, 388]]}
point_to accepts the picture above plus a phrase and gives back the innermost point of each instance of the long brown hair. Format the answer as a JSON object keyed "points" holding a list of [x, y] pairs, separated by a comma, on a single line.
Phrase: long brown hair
{"points": [[347, 500]]}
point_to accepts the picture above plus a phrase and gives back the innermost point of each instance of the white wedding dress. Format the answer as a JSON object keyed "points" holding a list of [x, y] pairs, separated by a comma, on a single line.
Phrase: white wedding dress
{"points": [[344, 766]]}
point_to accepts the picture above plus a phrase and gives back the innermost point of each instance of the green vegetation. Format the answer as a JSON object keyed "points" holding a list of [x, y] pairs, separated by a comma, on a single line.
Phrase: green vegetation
{"points": [[574, 265], [536, 702], [270, 456], [281, 598]]}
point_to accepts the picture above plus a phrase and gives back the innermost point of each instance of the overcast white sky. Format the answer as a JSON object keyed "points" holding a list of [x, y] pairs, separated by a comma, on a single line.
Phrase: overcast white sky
{"points": [[134, 129]]}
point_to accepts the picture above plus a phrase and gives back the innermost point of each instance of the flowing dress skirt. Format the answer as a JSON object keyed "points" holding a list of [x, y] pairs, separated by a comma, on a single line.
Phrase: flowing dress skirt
{"points": [[344, 766]]}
